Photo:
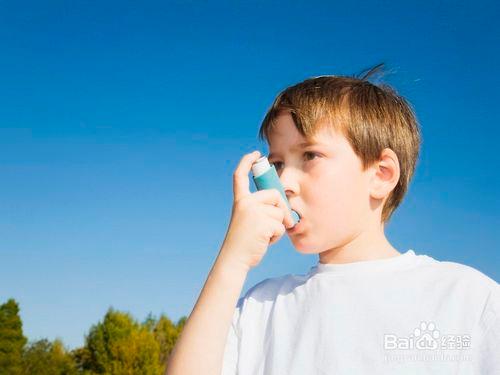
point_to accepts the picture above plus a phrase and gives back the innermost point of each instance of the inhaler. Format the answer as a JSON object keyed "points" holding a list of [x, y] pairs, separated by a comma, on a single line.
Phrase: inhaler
{"points": [[265, 177]]}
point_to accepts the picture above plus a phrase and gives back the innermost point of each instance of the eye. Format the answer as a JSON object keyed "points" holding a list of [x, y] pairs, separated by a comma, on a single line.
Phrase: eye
{"points": [[277, 164], [311, 153]]}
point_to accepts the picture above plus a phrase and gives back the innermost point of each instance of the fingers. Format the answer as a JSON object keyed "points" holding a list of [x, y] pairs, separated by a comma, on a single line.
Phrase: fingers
{"points": [[275, 212], [241, 182], [279, 230], [274, 197]]}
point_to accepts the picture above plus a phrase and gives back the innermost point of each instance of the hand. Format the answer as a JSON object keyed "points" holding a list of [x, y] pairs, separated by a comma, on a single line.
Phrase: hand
{"points": [[258, 219]]}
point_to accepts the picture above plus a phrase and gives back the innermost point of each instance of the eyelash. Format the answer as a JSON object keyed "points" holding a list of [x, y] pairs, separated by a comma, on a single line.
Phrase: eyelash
{"points": [[305, 153]]}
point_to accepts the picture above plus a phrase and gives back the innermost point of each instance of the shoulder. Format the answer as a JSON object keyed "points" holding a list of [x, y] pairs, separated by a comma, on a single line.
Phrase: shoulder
{"points": [[268, 290], [467, 274], [473, 285]]}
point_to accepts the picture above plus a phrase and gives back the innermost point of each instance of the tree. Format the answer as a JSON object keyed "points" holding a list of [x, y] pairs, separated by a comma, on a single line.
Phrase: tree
{"points": [[43, 357], [166, 334], [120, 346], [12, 340]]}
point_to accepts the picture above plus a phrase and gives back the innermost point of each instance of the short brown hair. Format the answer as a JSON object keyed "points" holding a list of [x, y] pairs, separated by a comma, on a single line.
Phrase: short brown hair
{"points": [[371, 116]]}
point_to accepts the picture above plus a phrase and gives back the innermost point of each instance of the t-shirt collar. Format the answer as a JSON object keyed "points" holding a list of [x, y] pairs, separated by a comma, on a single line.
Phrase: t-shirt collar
{"points": [[391, 263]]}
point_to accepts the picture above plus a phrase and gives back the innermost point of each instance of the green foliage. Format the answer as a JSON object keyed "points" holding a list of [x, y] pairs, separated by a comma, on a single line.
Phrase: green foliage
{"points": [[181, 322], [12, 339], [45, 358], [166, 334], [118, 345]]}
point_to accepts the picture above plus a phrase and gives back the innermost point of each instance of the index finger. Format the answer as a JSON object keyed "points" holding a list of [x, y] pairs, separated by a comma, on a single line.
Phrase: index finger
{"points": [[241, 183], [274, 197]]}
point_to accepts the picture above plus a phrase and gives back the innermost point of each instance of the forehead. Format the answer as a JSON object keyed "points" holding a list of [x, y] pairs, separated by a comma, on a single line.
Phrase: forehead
{"points": [[284, 134]]}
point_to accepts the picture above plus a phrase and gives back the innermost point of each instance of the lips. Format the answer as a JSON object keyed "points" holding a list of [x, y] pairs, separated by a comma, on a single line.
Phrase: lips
{"points": [[295, 227]]}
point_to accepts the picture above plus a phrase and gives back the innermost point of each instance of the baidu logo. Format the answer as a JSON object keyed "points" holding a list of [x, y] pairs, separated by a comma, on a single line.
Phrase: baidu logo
{"points": [[426, 337]]}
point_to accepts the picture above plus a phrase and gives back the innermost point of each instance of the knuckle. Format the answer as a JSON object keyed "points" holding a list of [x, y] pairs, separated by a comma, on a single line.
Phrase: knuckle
{"points": [[277, 196]]}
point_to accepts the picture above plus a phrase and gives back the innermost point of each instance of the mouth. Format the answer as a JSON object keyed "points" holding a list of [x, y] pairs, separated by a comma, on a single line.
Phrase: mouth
{"points": [[296, 227]]}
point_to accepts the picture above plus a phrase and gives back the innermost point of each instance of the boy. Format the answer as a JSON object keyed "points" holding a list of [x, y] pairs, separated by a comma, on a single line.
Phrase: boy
{"points": [[345, 150]]}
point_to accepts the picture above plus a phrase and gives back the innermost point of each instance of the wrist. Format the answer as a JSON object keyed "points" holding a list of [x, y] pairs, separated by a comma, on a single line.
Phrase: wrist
{"points": [[230, 262]]}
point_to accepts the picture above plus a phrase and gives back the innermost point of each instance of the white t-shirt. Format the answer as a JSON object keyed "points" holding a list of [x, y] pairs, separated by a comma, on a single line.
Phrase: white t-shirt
{"points": [[408, 314]]}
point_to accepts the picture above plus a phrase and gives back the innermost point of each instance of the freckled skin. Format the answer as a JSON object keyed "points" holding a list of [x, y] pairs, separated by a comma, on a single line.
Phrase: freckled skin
{"points": [[337, 200]]}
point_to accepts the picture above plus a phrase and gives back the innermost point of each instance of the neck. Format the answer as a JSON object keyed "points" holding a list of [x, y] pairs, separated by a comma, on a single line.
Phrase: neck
{"points": [[370, 244]]}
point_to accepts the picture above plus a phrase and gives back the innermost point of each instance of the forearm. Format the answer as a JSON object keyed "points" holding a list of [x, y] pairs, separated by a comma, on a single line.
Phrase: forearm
{"points": [[200, 347]]}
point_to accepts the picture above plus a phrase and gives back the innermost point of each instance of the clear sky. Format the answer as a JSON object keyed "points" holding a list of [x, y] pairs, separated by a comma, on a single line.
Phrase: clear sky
{"points": [[121, 124]]}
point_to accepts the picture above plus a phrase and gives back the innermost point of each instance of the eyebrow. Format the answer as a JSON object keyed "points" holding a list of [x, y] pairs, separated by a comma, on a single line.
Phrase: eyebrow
{"points": [[299, 146]]}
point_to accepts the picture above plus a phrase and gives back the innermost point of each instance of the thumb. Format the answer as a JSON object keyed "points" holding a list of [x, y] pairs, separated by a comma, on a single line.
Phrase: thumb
{"points": [[241, 182]]}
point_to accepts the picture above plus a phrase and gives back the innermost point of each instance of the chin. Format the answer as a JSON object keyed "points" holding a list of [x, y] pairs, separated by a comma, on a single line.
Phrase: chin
{"points": [[304, 247]]}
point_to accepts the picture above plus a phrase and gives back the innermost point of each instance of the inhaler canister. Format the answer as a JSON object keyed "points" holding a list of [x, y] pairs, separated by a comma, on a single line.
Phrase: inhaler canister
{"points": [[265, 177]]}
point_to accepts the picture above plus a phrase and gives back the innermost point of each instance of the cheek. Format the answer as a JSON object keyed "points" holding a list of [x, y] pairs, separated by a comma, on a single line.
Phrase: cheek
{"points": [[337, 199]]}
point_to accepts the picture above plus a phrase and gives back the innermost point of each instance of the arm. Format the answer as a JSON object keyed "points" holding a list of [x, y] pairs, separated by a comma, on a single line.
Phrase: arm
{"points": [[257, 220], [200, 347]]}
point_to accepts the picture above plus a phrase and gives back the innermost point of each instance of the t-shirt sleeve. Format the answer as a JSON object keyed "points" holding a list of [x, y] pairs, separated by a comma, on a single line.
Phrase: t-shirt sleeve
{"points": [[231, 352], [488, 352]]}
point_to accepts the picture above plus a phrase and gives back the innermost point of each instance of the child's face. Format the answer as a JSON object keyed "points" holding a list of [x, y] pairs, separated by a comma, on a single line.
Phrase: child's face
{"points": [[324, 183]]}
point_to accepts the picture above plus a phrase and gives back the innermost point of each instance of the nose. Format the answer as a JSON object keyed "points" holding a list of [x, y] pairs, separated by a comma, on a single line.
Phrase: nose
{"points": [[290, 182]]}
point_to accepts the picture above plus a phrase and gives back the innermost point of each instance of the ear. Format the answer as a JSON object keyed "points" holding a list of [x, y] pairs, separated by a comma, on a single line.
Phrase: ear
{"points": [[386, 174]]}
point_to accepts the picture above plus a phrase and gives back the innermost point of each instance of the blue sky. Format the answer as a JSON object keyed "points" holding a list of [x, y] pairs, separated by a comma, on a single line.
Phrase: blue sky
{"points": [[121, 124]]}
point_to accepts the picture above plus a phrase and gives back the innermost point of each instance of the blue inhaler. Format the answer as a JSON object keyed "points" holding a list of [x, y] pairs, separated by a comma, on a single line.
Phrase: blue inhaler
{"points": [[265, 177]]}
